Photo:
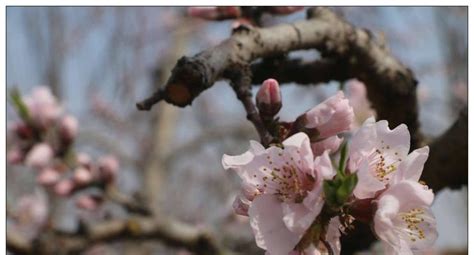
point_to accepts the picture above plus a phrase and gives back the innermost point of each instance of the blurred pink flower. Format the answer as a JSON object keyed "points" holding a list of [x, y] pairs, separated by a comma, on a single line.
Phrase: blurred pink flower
{"points": [[460, 91], [289, 186], [32, 209], [380, 157], [403, 220], [285, 10], [108, 166], [87, 202], [214, 13], [15, 155], [64, 187], [82, 176], [39, 156], [48, 176], [359, 102], [68, 127], [83, 159], [269, 98], [43, 107]]}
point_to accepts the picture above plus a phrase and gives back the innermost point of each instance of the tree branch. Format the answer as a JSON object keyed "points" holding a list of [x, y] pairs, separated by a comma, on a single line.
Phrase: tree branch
{"points": [[170, 232], [447, 164], [391, 86]]}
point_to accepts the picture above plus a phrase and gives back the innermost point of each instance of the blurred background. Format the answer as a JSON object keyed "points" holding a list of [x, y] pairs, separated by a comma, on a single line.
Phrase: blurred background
{"points": [[99, 61]]}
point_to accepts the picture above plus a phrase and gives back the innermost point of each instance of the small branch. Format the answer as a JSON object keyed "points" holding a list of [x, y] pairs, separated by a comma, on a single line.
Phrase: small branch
{"points": [[241, 83], [131, 205], [146, 104]]}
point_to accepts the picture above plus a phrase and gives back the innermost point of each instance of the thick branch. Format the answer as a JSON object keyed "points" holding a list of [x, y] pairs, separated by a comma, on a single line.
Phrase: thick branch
{"points": [[391, 86], [447, 164], [171, 233]]}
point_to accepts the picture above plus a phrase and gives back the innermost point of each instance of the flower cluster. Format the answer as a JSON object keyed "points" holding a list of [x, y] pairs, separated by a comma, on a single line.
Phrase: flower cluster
{"points": [[298, 202], [42, 139]]}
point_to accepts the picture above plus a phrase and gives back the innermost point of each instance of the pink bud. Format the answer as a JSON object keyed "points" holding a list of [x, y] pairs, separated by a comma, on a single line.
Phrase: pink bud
{"points": [[64, 187], [39, 156], [269, 98], [87, 202], [108, 166], [68, 128], [42, 106], [15, 156], [48, 176], [82, 176], [214, 13], [285, 9], [241, 206], [83, 159]]}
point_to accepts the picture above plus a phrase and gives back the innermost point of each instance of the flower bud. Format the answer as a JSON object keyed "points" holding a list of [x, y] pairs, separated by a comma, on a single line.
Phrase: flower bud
{"points": [[269, 98], [108, 167], [39, 156], [68, 128], [48, 176], [22, 130], [64, 187], [82, 176], [285, 10]]}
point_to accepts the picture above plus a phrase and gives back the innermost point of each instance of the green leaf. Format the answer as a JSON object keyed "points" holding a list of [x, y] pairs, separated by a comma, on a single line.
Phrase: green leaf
{"points": [[342, 160], [19, 104], [346, 188]]}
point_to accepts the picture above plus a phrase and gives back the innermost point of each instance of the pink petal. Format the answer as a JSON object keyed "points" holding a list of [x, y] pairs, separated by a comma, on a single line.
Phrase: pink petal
{"points": [[333, 234], [48, 176], [412, 167], [323, 165], [269, 229], [367, 184], [331, 143], [331, 117]]}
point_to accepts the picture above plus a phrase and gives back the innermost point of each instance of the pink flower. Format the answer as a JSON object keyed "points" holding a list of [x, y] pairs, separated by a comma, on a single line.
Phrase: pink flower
{"points": [[87, 202], [82, 176], [48, 176], [214, 13], [15, 156], [380, 157], [39, 156], [68, 128], [330, 117], [108, 166], [403, 220], [32, 209], [269, 98], [42, 106], [285, 188], [64, 187]]}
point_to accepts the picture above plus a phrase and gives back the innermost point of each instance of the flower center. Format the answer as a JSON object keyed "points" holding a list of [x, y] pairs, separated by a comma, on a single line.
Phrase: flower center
{"points": [[383, 163], [413, 219]]}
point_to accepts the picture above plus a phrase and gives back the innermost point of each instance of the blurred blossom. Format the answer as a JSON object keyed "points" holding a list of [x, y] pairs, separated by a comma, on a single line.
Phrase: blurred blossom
{"points": [[285, 10], [68, 127], [82, 176], [22, 130], [31, 213], [48, 176], [42, 106], [214, 13], [39, 156], [108, 166], [460, 91], [83, 159], [359, 102], [64, 187], [15, 155], [87, 202]]}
